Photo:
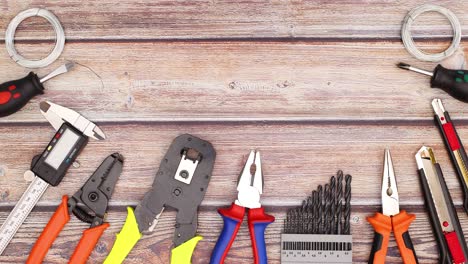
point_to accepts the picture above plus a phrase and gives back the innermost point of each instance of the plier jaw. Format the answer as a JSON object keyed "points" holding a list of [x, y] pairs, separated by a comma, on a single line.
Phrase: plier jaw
{"points": [[390, 199], [250, 182], [90, 202]]}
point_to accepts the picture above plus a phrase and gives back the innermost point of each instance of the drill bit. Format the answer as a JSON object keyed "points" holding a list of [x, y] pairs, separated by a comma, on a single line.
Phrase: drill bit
{"points": [[338, 223], [333, 204], [287, 222], [339, 197], [309, 215], [314, 211], [321, 208], [303, 221], [347, 210], [327, 209]]}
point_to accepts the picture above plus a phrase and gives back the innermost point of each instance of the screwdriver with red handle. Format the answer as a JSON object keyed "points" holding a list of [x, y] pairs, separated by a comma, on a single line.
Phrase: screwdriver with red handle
{"points": [[17, 93], [454, 82]]}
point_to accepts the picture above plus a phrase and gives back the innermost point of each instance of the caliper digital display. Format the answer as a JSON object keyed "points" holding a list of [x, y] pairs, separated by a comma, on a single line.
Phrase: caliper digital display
{"points": [[61, 152], [62, 148]]}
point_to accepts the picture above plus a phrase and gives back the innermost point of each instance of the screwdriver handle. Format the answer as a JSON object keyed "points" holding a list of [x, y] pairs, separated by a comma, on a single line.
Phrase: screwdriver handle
{"points": [[383, 227], [16, 94], [454, 82], [401, 223]]}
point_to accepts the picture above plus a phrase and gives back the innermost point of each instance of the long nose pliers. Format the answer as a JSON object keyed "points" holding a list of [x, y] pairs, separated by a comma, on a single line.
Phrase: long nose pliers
{"points": [[391, 219]]}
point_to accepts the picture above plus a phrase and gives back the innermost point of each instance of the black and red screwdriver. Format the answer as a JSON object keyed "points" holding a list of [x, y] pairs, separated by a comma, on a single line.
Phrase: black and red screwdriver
{"points": [[454, 82], [17, 93]]}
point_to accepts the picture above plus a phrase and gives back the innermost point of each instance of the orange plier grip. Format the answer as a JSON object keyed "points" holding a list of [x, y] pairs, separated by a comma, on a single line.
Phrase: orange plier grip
{"points": [[383, 226], [51, 231]]}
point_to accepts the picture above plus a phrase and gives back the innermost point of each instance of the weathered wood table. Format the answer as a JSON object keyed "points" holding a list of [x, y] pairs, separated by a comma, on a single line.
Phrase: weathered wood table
{"points": [[313, 84]]}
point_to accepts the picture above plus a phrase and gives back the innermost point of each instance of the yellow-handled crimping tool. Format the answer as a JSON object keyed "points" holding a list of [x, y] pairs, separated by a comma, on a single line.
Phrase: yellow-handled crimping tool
{"points": [[181, 184]]}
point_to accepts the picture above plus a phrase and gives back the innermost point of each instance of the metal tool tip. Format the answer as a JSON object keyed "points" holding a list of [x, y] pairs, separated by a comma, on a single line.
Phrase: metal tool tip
{"points": [[44, 106], [118, 156], [403, 66], [69, 65], [98, 134]]}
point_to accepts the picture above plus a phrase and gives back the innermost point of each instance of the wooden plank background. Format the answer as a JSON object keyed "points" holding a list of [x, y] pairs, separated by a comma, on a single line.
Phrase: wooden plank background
{"points": [[313, 84]]}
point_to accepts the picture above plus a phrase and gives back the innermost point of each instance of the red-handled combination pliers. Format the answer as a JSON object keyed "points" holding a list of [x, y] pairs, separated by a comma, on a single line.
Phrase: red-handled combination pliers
{"points": [[249, 187], [89, 204]]}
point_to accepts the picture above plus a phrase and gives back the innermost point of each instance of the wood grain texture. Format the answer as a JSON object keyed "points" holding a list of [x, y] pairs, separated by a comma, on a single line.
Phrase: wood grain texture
{"points": [[238, 82], [298, 156], [312, 84], [155, 247], [203, 19]]}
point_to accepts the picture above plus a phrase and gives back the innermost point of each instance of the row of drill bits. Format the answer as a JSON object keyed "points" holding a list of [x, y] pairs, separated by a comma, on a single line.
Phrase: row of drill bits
{"points": [[326, 211]]}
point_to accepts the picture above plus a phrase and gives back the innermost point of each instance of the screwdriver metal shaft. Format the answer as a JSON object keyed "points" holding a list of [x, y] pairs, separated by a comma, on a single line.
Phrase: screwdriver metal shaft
{"points": [[453, 82], [62, 69], [411, 68]]}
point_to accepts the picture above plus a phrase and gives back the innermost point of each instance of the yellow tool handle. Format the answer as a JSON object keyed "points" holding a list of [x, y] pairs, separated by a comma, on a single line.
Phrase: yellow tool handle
{"points": [[183, 253], [126, 240]]}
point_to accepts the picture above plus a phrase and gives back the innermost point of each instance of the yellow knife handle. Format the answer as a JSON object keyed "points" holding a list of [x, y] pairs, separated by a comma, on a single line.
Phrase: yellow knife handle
{"points": [[183, 253], [126, 240]]}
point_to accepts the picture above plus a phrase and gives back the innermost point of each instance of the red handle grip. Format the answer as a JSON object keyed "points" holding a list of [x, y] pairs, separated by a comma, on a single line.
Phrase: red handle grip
{"points": [[50, 233], [258, 222], [455, 248], [87, 243]]}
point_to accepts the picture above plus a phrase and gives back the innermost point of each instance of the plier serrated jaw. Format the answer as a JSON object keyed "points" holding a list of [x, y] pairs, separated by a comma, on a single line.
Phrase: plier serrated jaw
{"points": [[93, 197], [390, 199], [250, 182]]}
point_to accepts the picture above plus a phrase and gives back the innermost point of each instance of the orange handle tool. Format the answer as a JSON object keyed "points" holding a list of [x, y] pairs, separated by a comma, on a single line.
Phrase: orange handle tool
{"points": [[87, 244], [50, 233], [401, 223], [383, 227]]}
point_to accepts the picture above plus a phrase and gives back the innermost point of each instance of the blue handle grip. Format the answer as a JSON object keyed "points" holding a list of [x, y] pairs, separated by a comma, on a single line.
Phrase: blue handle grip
{"points": [[259, 237], [232, 218]]}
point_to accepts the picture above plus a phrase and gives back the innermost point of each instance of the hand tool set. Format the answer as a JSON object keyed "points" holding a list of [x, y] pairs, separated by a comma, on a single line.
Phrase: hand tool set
{"points": [[443, 215], [391, 219], [180, 183], [49, 168], [88, 204], [319, 230], [249, 190]]}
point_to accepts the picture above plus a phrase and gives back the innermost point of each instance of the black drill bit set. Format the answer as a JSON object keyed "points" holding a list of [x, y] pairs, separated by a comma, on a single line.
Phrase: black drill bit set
{"points": [[318, 231]]}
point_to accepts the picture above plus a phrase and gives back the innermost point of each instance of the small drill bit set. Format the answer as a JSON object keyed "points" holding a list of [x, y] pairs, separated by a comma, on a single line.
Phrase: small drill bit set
{"points": [[318, 231]]}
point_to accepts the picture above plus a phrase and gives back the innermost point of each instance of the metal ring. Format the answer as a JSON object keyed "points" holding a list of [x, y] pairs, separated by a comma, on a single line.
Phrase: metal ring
{"points": [[408, 39], [59, 38]]}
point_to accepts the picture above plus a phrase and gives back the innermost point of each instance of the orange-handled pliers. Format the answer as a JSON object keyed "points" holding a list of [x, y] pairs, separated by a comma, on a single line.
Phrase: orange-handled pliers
{"points": [[391, 219], [89, 204]]}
